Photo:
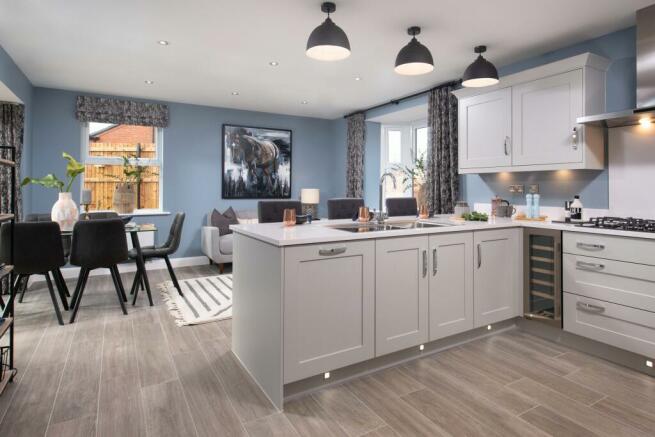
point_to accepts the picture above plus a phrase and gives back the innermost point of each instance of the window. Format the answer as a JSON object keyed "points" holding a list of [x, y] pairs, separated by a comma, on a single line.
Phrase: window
{"points": [[402, 147], [105, 148]]}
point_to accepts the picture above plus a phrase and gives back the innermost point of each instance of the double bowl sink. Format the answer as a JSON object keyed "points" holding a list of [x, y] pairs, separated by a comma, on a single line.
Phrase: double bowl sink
{"points": [[389, 226]]}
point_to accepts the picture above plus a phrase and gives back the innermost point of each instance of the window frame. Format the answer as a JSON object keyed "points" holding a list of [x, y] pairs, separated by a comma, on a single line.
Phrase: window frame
{"points": [[158, 162]]}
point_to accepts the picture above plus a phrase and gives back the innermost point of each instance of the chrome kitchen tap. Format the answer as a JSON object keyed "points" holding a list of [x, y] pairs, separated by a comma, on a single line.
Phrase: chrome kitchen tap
{"points": [[380, 216]]}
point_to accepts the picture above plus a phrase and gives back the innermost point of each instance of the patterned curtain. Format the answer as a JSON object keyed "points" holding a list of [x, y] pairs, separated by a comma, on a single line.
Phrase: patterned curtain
{"points": [[12, 121], [441, 173], [109, 110], [355, 157]]}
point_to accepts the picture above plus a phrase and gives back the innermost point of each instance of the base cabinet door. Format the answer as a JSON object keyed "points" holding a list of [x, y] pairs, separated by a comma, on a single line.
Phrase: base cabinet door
{"points": [[451, 284], [496, 276], [401, 293], [329, 298]]}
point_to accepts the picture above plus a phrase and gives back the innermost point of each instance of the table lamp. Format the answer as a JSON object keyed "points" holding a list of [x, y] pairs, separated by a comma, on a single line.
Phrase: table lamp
{"points": [[85, 201], [309, 197]]}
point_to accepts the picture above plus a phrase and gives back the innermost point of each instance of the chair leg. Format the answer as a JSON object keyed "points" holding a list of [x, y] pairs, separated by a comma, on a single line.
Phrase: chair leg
{"points": [[23, 279], [60, 289], [172, 273], [79, 290], [221, 268], [63, 282], [54, 298], [135, 282], [143, 285], [118, 275], [120, 292]]}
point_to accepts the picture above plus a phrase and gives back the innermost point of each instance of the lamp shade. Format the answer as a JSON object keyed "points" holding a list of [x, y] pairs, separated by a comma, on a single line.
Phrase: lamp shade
{"points": [[310, 196], [481, 72], [328, 42], [414, 58]]}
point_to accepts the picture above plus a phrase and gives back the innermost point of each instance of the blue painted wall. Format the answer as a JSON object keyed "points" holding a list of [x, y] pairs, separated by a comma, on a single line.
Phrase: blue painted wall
{"points": [[19, 84], [192, 157], [555, 187]]}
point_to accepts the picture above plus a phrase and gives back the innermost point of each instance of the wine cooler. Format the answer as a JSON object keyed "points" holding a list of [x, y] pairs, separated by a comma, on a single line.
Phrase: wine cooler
{"points": [[542, 296]]}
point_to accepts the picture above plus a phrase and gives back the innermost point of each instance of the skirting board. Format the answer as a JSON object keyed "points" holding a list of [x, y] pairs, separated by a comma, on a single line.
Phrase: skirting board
{"points": [[158, 264]]}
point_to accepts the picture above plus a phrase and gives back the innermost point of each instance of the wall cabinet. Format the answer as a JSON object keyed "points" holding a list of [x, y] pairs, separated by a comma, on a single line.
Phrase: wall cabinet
{"points": [[528, 121], [451, 284], [485, 129], [329, 303], [401, 293], [496, 276]]}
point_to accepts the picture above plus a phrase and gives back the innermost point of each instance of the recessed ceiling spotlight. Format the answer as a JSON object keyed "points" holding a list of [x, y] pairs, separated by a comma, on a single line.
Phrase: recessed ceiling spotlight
{"points": [[358, 78], [235, 93], [163, 42], [304, 102], [274, 63], [149, 82]]}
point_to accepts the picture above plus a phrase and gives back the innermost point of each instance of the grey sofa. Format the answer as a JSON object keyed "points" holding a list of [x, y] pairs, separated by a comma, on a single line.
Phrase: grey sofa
{"points": [[218, 248]]}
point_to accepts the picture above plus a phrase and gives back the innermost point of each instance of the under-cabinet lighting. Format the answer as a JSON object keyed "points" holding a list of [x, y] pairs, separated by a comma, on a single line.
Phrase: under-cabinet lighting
{"points": [[326, 375], [645, 121], [649, 363], [488, 327], [421, 347]]}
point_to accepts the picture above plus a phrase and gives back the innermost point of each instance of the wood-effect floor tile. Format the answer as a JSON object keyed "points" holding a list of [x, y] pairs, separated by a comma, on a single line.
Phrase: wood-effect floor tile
{"points": [[275, 425], [349, 412], [310, 419], [167, 413]]}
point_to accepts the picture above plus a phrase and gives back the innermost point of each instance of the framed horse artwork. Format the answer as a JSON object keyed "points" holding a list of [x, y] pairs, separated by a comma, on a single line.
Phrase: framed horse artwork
{"points": [[256, 163]]}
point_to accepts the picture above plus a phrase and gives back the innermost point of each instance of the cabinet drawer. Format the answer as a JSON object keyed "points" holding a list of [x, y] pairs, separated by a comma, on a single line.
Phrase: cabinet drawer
{"points": [[617, 325], [613, 281], [634, 250]]}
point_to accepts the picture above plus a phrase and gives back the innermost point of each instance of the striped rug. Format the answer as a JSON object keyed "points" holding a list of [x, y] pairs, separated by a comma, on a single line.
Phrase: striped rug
{"points": [[205, 299]]}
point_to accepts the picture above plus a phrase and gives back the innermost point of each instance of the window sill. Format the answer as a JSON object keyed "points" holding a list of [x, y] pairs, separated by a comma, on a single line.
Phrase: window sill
{"points": [[146, 213]]}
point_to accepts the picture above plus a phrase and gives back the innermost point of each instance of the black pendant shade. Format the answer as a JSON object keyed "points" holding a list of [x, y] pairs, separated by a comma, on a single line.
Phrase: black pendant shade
{"points": [[414, 58], [481, 72], [328, 42]]}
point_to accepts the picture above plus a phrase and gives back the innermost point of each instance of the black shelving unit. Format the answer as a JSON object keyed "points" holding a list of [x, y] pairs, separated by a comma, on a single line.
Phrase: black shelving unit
{"points": [[7, 277]]}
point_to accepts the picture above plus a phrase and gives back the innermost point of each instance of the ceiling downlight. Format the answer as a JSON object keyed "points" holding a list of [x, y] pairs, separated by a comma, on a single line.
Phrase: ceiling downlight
{"points": [[414, 59], [328, 42]]}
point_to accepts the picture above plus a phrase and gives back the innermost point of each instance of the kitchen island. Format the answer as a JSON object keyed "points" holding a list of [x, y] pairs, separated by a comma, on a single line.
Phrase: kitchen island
{"points": [[335, 299]]}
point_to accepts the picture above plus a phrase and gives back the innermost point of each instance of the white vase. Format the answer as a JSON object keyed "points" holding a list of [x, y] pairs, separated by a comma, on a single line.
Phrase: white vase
{"points": [[65, 212]]}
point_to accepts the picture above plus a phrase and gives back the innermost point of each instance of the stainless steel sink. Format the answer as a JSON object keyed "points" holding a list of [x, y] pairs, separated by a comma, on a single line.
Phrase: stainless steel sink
{"points": [[389, 226], [366, 227]]}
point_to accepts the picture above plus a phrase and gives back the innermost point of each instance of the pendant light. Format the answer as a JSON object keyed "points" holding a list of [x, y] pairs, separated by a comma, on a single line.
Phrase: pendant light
{"points": [[414, 58], [328, 42], [481, 72]]}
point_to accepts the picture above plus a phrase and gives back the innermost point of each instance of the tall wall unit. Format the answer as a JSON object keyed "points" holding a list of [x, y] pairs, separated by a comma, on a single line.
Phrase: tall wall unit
{"points": [[7, 372], [528, 121]]}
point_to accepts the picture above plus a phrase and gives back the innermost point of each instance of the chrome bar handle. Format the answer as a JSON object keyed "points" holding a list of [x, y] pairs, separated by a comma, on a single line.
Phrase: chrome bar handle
{"points": [[589, 246], [479, 256], [425, 263], [583, 306], [505, 144], [574, 138], [333, 251], [434, 262], [581, 265]]}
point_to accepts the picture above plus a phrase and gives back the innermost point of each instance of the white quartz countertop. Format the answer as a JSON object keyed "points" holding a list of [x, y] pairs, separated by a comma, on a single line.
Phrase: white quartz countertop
{"points": [[323, 231]]}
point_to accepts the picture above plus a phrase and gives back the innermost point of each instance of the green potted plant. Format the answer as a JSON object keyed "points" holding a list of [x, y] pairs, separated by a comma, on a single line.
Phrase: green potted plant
{"points": [[64, 211], [414, 178], [127, 189]]}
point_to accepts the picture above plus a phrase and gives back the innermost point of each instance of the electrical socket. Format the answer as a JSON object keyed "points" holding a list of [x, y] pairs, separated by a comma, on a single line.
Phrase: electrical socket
{"points": [[516, 189], [533, 188]]}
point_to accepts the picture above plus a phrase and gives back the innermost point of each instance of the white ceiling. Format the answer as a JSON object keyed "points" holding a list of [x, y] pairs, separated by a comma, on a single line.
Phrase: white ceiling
{"points": [[220, 46], [407, 115]]}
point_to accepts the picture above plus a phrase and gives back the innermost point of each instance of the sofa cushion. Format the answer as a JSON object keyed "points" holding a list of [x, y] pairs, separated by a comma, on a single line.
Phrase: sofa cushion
{"points": [[225, 244], [224, 220]]}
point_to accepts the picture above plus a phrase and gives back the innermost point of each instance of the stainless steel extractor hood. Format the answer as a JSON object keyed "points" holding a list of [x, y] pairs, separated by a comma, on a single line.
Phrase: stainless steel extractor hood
{"points": [[645, 110]]}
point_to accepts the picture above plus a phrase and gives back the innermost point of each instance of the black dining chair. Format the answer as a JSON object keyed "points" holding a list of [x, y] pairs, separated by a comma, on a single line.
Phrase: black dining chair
{"points": [[38, 251], [272, 211], [66, 241], [164, 251], [398, 206], [345, 207], [98, 244]]}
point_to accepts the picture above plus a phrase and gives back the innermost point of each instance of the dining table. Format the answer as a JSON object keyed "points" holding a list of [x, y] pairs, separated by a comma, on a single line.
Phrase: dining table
{"points": [[134, 229]]}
